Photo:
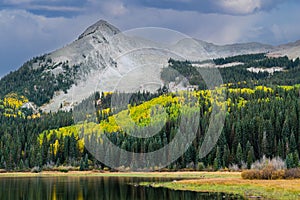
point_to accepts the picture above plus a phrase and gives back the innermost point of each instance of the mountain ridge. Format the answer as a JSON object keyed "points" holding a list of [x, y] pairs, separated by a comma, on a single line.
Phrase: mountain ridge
{"points": [[103, 55], [100, 25]]}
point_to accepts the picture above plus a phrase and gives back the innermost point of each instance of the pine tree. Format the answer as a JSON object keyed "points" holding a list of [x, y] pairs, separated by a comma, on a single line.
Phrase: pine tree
{"points": [[239, 155], [289, 161], [81, 166], [248, 147], [217, 160], [286, 128], [264, 144], [86, 161], [296, 159], [57, 162], [26, 164], [269, 139], [39, 160], [225, 158], [292, 143], [2, 163], [250, 157], [280, 150], [66, 148], [21, 165], [73, 147]]}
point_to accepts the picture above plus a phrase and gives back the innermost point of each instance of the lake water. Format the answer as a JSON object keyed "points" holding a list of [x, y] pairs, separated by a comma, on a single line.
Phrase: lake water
{"points": [[90, 188]]}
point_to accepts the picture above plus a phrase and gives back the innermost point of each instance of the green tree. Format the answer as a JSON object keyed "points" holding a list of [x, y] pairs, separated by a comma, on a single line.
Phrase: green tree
{"points": [[250, 157], [289, 161], [296, 159], [217, 161], [292, 143], [225, 158], [239, 155], [81, 165], [86, 161]]}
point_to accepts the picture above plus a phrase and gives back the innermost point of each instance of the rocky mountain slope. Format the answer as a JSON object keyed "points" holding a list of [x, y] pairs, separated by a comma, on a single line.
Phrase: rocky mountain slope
{"points": [[106, 59], [292, 50]]}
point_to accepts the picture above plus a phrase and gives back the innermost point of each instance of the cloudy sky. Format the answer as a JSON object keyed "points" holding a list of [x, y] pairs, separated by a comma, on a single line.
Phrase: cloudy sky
{"points": [[30, 28]]}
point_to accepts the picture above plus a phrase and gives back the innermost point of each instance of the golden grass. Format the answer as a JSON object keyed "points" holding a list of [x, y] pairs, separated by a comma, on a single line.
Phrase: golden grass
{"points": [[293, 185], [270, 189]]}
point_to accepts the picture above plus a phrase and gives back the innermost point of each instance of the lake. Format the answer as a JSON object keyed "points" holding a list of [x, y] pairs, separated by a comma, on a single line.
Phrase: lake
{"points": [[83, 188]]}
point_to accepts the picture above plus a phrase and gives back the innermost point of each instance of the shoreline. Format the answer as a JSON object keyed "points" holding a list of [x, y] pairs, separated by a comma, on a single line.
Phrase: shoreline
{"points": [[262, 189], [223, 182], [177, 174]]}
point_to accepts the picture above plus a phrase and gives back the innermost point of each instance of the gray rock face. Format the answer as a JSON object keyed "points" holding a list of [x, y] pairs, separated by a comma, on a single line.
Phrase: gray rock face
{"points": [[111, 60], [292, 50], [103, 26]]}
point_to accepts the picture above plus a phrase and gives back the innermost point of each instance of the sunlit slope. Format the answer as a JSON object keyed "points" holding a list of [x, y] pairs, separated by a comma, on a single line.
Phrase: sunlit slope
{"points": [[170, 107]]}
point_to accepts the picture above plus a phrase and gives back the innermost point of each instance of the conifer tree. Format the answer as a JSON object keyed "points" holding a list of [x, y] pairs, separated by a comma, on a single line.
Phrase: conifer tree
{"points": [[239, 155]]}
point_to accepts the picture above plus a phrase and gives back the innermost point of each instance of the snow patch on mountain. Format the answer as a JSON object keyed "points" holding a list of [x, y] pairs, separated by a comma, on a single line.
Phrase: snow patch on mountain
{"points": [[111, 60], [292, 50]]}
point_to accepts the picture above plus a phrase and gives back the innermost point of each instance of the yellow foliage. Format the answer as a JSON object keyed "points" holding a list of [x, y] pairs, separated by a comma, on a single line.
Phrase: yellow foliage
{"points": [[107, 93], [242, 102], [14, 101], [87, 128], [158, 110], [81, 145], [264, 88], [148, 113], [106, 111], [10, 115], [11, 105], [110, 126], [34, 116], [143, 114], [241, 90], [263, 100], [55, 147], [288, 87]]}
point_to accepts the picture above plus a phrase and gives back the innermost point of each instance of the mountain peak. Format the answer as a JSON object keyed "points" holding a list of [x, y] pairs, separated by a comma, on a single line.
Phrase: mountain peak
{"points": [[100, 26]]}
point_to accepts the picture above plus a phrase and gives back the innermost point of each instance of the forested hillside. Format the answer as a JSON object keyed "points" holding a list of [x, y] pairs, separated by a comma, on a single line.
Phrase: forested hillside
{"points": [[37, 80], [262, 118], [259, 121], [239, 73]]}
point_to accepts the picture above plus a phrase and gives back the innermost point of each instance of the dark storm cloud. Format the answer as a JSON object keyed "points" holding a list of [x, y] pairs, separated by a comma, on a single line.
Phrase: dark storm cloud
{"points": [[234, 7]]}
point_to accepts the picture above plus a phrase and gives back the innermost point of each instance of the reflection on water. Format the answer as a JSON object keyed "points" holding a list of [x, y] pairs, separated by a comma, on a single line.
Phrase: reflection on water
{"points": [[40, 188]]}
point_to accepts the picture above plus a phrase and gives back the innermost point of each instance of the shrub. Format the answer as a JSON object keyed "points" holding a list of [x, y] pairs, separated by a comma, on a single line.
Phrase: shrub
{"points": [[36, 170], [277, 163], [266, 173], [224, 170], [65, 170], [49, 166], [251, 174], [266, 168], [292, 173], [270, 173], [105, 169], [244, 165], [278, 174], [200, 166], [234, 168]]}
